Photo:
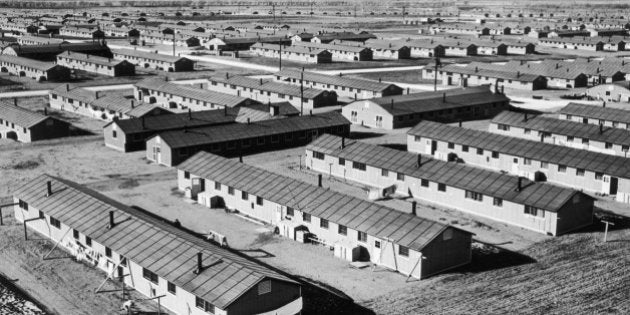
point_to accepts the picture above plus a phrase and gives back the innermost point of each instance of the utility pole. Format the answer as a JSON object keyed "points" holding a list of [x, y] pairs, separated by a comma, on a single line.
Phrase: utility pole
{"points": [[606, 229], [302, 92], [273, 11], [435, 73], [280, 55], [173, 43]]}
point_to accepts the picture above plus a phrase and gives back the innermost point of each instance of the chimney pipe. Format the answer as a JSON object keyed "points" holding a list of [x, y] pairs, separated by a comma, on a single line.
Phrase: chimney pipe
{"points": [[199, 263], [319, 180], [142, 122], [414, 205], [48, 188], [343, 142], [225, 110], [419, 160], [604, 105], [189, 114], [240, 158], [601, 128], [525, 116], [519, 184], [111, 219], [444, 97], [248, 121], [45, 111]]}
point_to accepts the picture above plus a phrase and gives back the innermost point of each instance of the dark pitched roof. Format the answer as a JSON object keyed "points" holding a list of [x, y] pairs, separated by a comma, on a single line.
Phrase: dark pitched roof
{"points": [[221, 133], [597, 112], [564, 127], [539, 151], [176, 121], [20, 116], [380, 221], [430, 101], [490, 183], [150, 242]]}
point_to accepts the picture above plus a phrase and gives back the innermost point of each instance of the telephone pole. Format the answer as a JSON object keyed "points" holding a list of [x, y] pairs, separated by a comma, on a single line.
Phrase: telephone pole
{"points": [[435, 73], [302, 92]]}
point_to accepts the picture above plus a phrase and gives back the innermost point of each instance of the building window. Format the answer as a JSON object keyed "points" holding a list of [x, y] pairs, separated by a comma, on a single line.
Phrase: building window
{"points": [[290, 211], [358, 166], [259, 201], [342, 161], [75, 234], [362, 236], [441, 187], [503, 127], [579, 172], [585, 141], [231, 190], [108, 252], [400, 176], [562, 168], [473, 195], [54, 222], [464, 148], [533, 211], [318, 155], [186, 175], [451, 145], [147, 274], [497, 202], [377, 244], [122, 260], [609, 145], [323, 223], [23, 204], [306, 217], [343, 230], [479, 151], [264, 287], [244, 195], [384, 173], [527, 131], [424, 182], [88, 241], [171, 288], [217, 186], [495, 154], [544, 165], [599, 176], [447, 235], [527, 161], [403, 251], [114, 134]]}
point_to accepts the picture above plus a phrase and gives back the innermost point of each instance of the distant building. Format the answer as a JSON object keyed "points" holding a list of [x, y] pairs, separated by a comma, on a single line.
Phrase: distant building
{"points": [[49, 52], [34, 69], [540, 207], [171, 95], [292, 53], [343, 86], [23, 125], [173, 147], [607, 140], [535, 160], [611, 92], [597, 115], [398, 111], [95, 64], [144, 59]]}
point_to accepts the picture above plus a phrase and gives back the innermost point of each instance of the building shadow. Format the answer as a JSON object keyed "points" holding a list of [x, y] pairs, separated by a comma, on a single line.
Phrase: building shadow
{"points": [[357, 135], [486, 257], [395, 146]]}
